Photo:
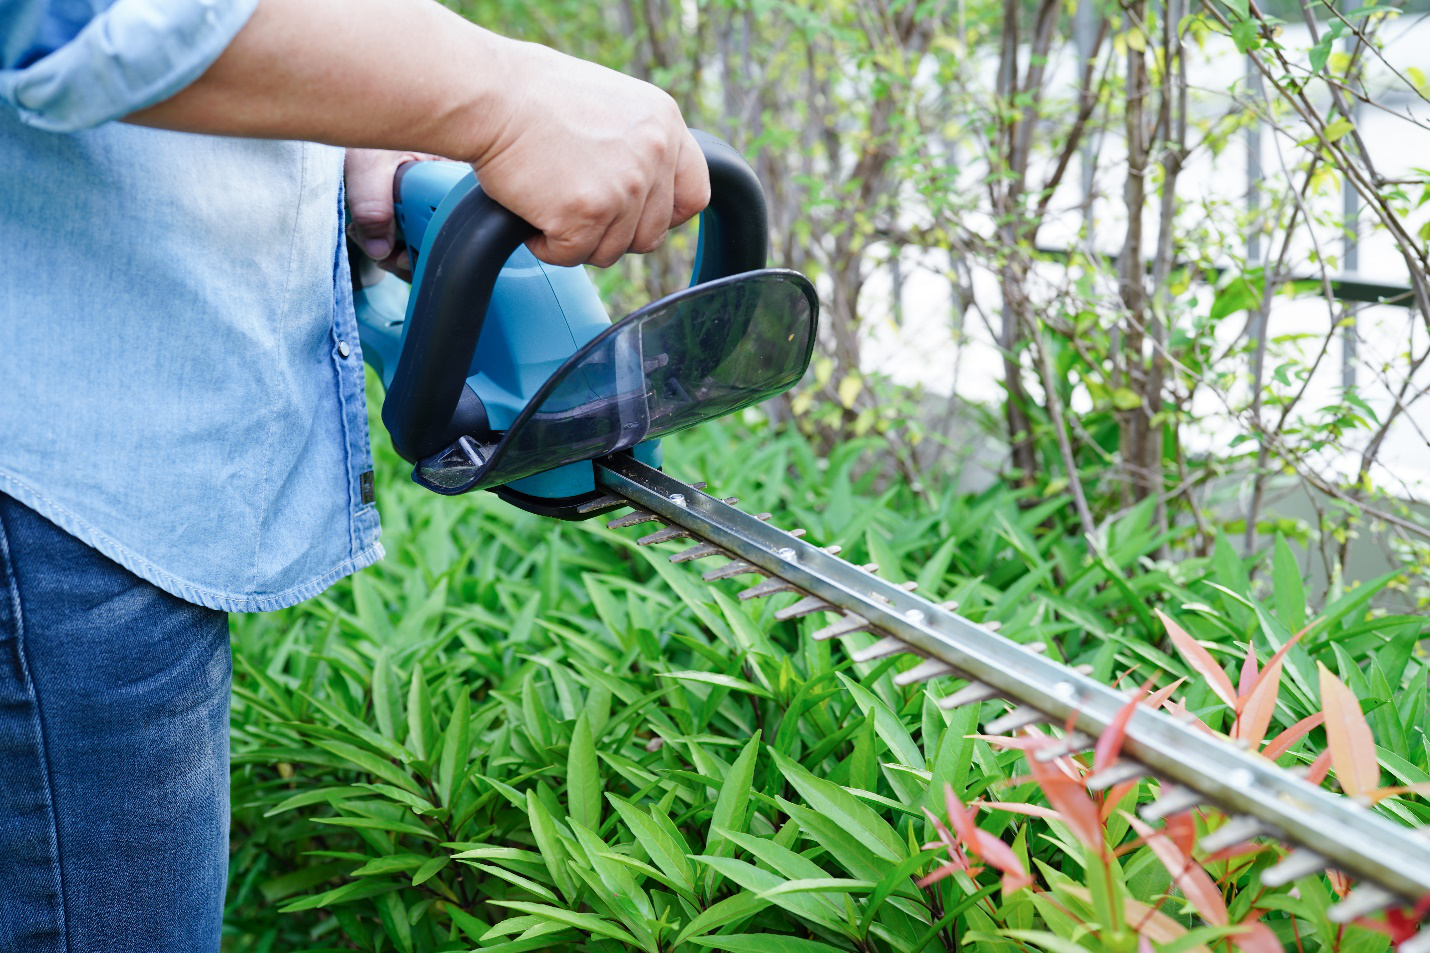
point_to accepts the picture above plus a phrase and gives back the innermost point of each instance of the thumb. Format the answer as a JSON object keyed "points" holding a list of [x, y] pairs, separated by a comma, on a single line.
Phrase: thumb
{"points": [[368, 177]]}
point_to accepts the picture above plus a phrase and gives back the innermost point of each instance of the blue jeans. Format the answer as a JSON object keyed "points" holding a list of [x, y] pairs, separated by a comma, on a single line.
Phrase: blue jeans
{"points": [[113, 753]]}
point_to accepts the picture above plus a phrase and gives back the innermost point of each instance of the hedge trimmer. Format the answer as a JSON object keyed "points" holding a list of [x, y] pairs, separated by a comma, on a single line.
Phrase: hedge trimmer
{"points": [[505, 374]]}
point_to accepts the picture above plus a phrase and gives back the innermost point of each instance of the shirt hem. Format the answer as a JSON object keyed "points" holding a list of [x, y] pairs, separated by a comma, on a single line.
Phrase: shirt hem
{"points": [[188, 591]]}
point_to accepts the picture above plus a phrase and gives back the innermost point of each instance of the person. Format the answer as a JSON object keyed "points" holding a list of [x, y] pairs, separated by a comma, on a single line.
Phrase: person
{"points": [[182, 429]]}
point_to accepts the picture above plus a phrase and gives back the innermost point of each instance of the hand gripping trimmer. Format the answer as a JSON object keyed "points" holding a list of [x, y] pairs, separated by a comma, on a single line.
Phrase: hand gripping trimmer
{"points": [[505, 373]]}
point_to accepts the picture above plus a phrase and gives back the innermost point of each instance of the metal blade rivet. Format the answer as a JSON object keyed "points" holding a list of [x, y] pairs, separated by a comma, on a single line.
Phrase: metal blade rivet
{"points": [[785, 553], [1065, 690], [1241, 778], [678, 499], [915, 616]]}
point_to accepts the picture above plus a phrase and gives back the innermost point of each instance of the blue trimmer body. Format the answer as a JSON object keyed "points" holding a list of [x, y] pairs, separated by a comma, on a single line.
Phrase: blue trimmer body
{"points": [[505, 373], [538, 316]]}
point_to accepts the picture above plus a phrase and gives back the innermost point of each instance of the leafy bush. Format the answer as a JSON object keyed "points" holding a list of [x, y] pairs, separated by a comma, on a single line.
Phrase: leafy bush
{"points": [[519, 734]]}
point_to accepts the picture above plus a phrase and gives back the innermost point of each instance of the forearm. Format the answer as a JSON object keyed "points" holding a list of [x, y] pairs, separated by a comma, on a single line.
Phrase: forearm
{"points": [[393, 74]]}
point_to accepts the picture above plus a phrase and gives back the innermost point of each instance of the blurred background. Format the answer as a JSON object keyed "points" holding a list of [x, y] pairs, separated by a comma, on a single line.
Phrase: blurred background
{"points": [[1130, 252]]}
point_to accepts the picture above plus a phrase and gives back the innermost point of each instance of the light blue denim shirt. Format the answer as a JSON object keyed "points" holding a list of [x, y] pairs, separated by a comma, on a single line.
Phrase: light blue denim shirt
{"points": [[181, 385]]}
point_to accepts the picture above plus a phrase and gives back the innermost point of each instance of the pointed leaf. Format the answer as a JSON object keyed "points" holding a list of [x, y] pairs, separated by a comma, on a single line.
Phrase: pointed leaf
{"points": [[1189, 876], [1282, 743], [583, 777], [1348, 736], [1200, 660]]}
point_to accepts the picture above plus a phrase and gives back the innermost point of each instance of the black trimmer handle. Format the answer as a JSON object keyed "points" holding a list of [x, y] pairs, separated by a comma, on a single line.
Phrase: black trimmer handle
{"points": [[734, 229], [423, 410]]}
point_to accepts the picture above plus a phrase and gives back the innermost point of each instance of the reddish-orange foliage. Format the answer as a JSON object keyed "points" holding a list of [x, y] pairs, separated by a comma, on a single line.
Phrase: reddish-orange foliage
{"points": [[1189, 876], [1282, 743], [1348, 737], [1079, 811], [968, 837], [1200, 660]]}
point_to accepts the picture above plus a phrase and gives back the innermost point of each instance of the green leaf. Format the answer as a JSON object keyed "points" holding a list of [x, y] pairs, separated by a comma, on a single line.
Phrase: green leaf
{"points": [[543, 830], [393, 913], [844, 809], [766, 943], [583, 777], [741, 906], [371, 763], [581, 921], [418, 712], [430, 869], [664, 852], [451, 770], [723, 681], [733, 802]]}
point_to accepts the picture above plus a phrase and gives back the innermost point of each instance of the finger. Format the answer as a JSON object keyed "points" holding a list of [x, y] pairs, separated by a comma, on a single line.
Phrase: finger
{"points": [[655, 217], [565, 247], [618, 237], [368, 180], [692, 182]]}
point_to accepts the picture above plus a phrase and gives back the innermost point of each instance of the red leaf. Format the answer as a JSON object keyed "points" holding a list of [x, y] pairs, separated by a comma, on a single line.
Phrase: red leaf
{"points": [[1316, 773], [1255, 718], [1257, 939], [1200, 660], [1000, 855], [1032, 810], [1194, 882], [985, 845], [1181, 829], [1079, 812], [1109, 745], [1348, 737], [1114, 797], [1282, 743], [1159, 698], [1248, 673]]}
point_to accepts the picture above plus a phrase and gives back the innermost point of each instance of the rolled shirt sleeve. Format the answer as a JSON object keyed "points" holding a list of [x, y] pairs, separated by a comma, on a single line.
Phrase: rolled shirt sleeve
{"points": [[128, 56]]}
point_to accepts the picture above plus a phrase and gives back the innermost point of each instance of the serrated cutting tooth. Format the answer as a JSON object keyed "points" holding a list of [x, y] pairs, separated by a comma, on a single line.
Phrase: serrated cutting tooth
{"points": [[967, 695], [1174, 800], [949, 606], [631, 519], [1233, 832], [883, 648], [1361, 902], [992, 626], [604, 502], [1115, 774], [848, 625], [698, 551], [909, 586], [805, 606], [925, 670], [1295, 865], [1075, 743], [735, 567], [664, 536], [1020, 717], [768, 588], [871, 568]]}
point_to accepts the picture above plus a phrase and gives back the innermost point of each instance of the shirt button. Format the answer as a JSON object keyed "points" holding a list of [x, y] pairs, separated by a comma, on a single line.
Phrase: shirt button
{"points": [[343, 349]]}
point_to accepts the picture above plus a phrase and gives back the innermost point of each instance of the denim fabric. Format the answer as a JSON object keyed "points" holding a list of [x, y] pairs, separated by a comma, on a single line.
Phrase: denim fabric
{"points": [[182, 381], [113, 753], [72, 64]]}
